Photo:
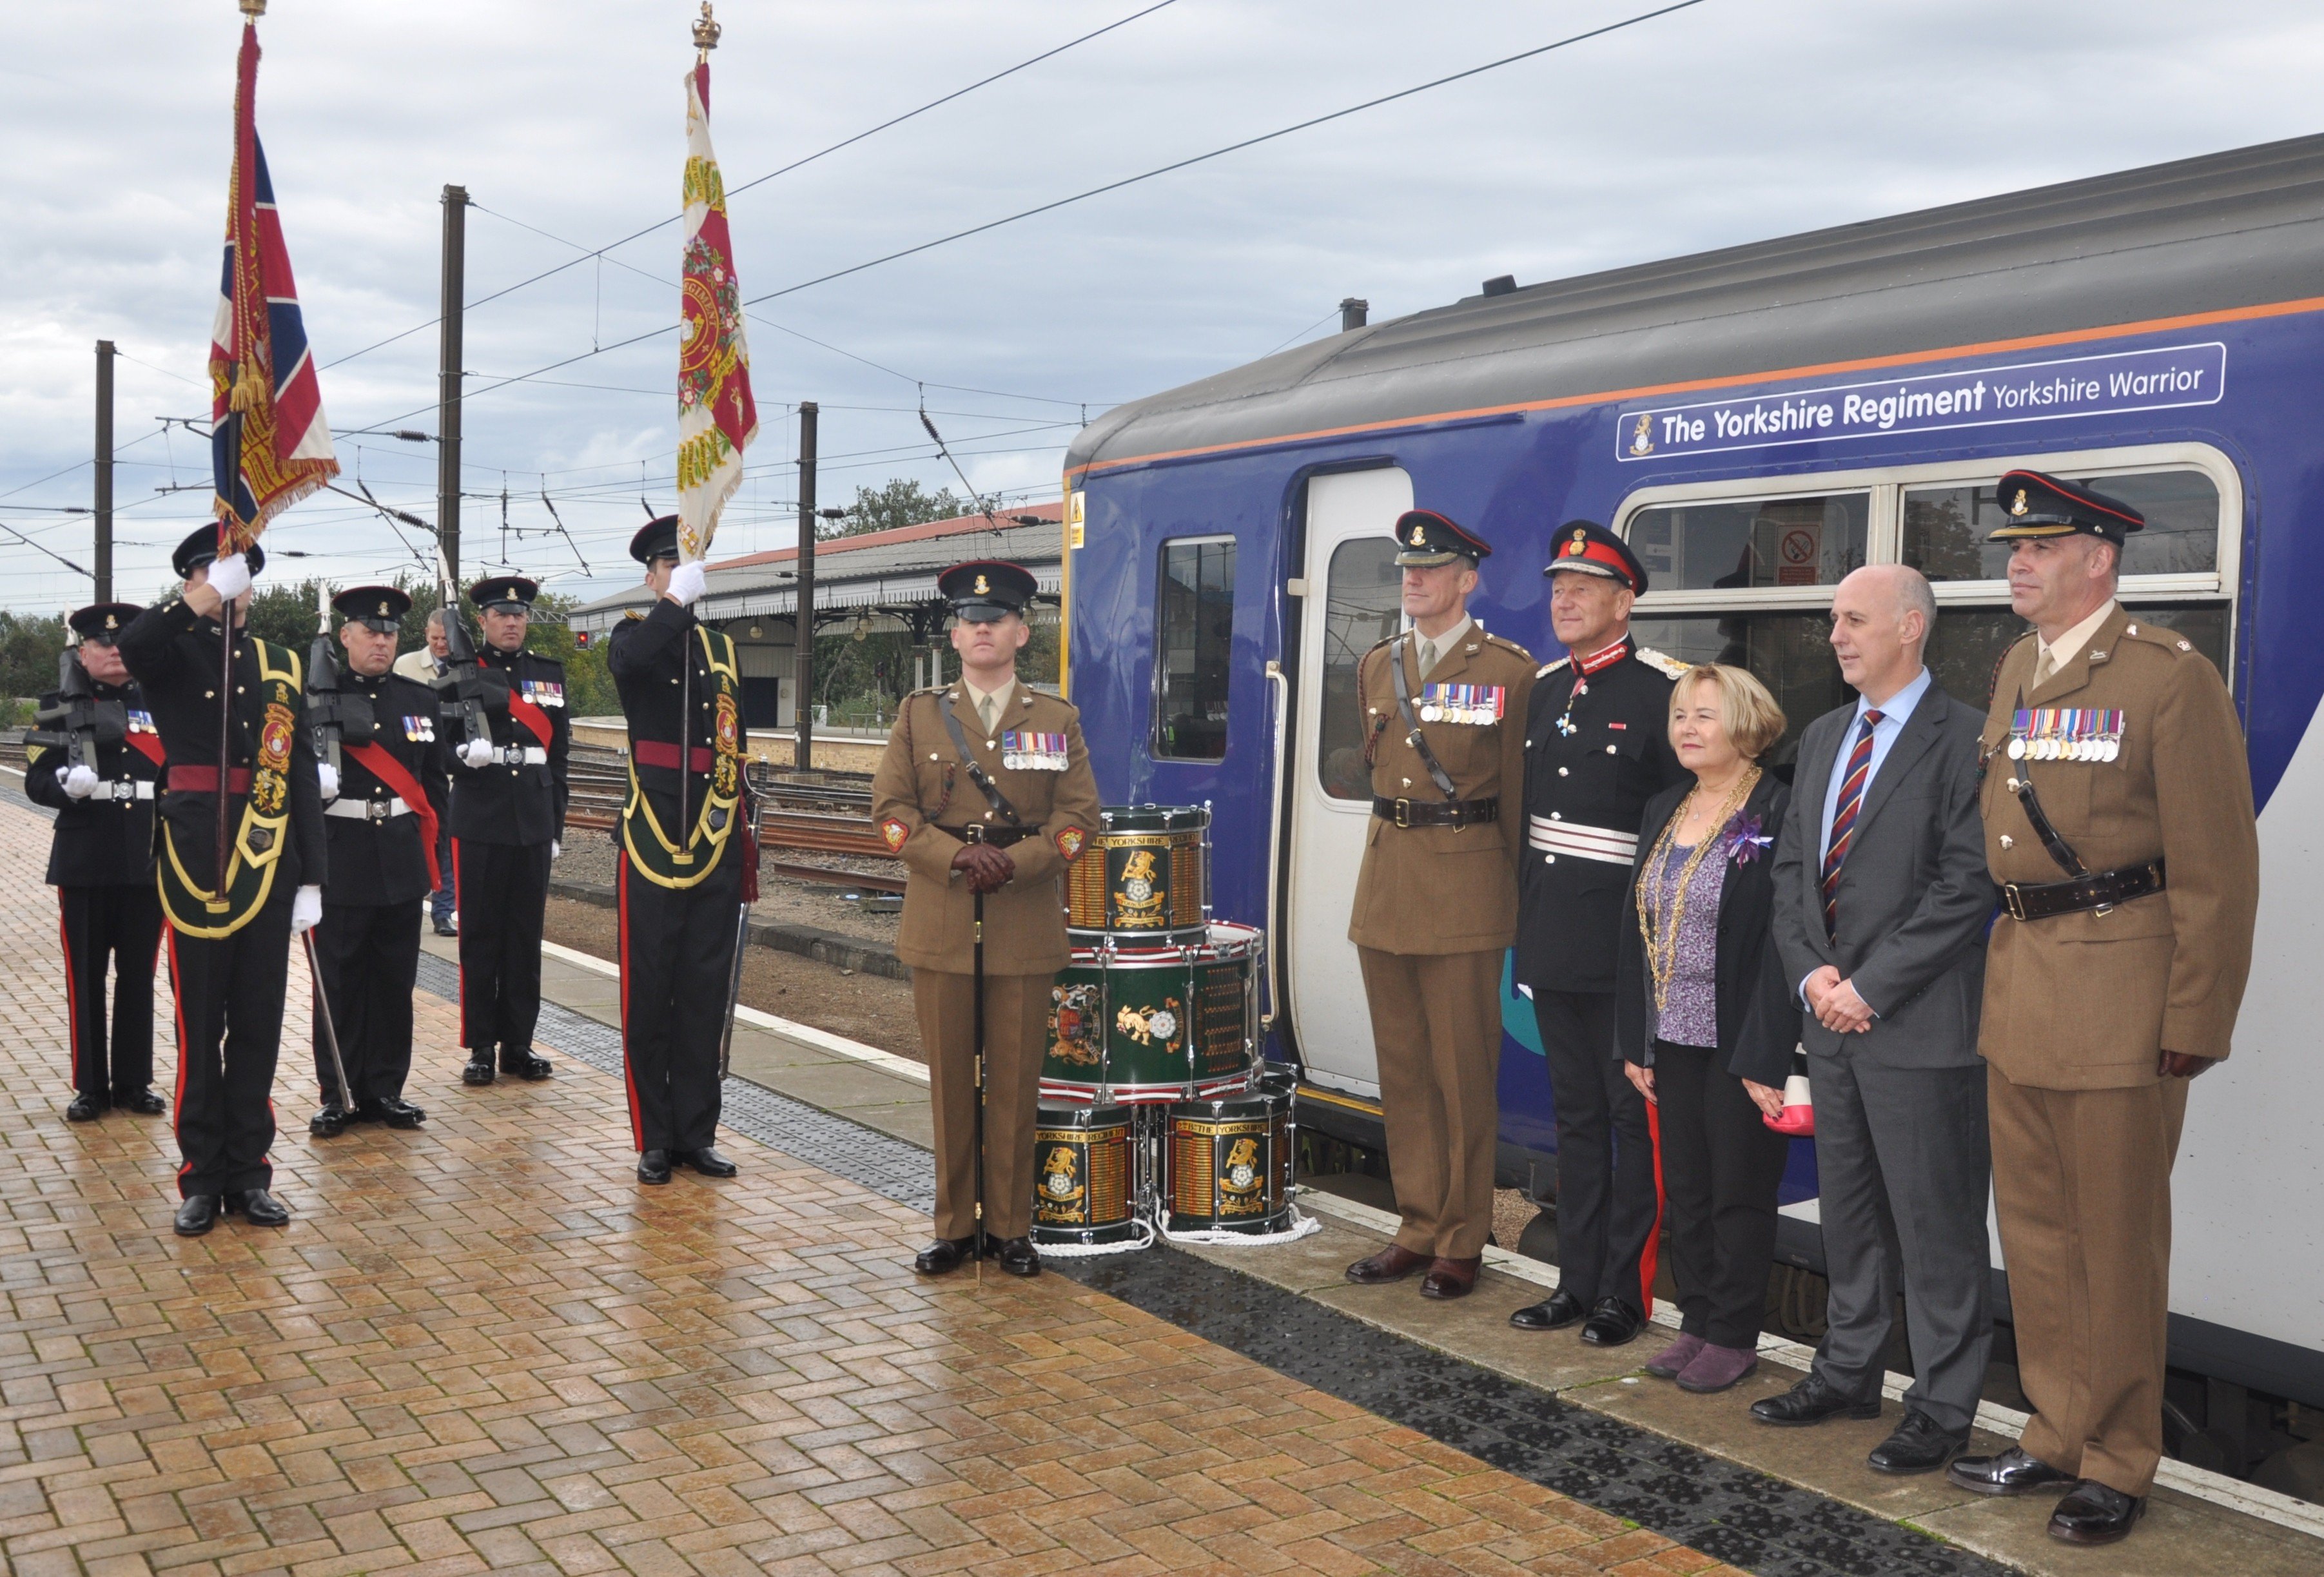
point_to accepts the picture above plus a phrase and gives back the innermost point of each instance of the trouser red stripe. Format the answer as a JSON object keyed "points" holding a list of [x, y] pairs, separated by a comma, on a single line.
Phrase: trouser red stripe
{"points": [[628, 1069]]}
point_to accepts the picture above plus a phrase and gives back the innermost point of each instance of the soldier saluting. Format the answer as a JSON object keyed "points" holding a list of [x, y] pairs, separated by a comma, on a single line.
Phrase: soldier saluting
{"points": [[1436, 900], [508, 821], [230, 949], [101, 864], [382, 799], [990, 754], [681, 880]]}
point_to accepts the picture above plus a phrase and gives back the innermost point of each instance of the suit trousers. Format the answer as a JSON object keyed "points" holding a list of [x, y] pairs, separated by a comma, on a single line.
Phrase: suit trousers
{"points": [[2082, 1181], [504, 890], [443, 900], [124, 925], [678, 954], [367, 957], [1720, 1167], [229, 992], [1016, 1038], [1436, 1022], [1902, 1168], [1606, 1203]]}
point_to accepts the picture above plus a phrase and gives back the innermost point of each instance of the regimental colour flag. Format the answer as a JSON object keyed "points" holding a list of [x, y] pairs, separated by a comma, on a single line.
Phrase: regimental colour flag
{"points": [[716, 417], [269, 445]]}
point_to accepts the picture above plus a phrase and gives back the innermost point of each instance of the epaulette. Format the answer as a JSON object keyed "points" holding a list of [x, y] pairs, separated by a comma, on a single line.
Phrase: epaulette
{"points": [[2160, 635], [1662, 663], [1508, 645], [634, 613], [1547, 669]]}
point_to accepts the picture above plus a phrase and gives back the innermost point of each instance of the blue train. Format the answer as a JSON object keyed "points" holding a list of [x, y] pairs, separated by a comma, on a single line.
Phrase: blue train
{"points": [[1758, 422]]}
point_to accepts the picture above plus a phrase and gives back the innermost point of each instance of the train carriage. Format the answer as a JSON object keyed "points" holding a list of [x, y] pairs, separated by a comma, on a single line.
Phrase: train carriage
{"points": [[1756, 422]]}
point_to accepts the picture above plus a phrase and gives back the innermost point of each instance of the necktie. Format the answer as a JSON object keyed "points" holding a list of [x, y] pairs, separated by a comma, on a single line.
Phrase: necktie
{"points": [[2044, 665], [1854, 777], [988, 711], [1427, 657]]}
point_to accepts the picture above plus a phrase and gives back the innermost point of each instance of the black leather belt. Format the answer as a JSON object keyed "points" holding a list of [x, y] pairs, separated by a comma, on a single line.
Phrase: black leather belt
{"points": [[2099, 890], [1000, 837], [1437, 812]]}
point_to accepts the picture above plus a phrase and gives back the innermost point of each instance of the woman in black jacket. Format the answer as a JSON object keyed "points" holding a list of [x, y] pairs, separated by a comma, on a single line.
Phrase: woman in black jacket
{"points": [[1707, 1028]]}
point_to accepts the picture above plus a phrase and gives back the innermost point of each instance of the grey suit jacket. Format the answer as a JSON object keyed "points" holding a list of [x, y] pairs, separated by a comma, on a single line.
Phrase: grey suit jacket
{"points": [[1915, 895]]}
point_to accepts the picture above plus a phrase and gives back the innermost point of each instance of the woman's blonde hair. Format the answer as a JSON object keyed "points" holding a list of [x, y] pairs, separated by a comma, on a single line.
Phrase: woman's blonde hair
{"points": [[1753, 720]]}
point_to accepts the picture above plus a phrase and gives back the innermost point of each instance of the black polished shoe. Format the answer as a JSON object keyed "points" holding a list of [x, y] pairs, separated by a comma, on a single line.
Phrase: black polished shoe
{"points": [[197, 1214], [2093, 1514], [944, 1254], [393, 1113], [653, 1166], [260, 1208], [1554, 1312], [1019, 1257], [2013, 1473], [1812, 1401], [444, 927], [531, 1069], [707, 1161], [1612, 1323], [1919, 1445], [84, 1108], [143, 1103], [479, 1070], [329, 1123]]}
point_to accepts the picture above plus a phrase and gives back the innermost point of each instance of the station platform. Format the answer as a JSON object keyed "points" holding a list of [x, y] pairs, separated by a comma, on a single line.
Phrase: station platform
{"points": [[483, 1346]]}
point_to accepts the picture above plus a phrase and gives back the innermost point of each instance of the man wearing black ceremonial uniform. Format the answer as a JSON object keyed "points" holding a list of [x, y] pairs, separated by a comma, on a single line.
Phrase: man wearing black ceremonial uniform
{"points": [[682, 881], [508, 822], [230, 951], [383, 799], [101, 864], [1597, 749]]}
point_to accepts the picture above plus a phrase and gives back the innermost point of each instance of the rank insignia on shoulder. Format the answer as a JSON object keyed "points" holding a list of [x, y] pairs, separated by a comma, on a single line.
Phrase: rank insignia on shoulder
{"points": [[893, 833], [1069, 841], [1662, 662], [1470, 704], [1026, 750], [1542, 672], [419, 730]]}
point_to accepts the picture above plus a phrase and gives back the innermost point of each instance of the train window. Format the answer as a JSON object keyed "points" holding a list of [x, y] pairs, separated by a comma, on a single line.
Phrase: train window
{"points": [[1789, 652], [1758, 542], [1363, 604], [1944, 528], [1194, 629]]}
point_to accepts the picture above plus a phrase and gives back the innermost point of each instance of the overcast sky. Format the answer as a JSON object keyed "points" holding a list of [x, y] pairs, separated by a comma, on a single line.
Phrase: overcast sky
{"points": [[1730, 122]]}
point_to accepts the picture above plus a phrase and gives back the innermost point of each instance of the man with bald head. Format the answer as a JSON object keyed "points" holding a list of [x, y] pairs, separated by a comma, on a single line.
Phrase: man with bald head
{"points": [[1881, 903]]}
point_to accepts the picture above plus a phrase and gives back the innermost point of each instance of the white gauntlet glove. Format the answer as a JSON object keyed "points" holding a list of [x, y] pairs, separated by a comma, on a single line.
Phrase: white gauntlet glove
{"points": [[230, 576], [328, 776], [306, 909], [77, 781], [555, 848], [475, 752], [685, 584]]}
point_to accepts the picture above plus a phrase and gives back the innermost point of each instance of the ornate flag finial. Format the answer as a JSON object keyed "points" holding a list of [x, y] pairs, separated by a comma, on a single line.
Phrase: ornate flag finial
{"points": [[254, 9], [705, 31]]}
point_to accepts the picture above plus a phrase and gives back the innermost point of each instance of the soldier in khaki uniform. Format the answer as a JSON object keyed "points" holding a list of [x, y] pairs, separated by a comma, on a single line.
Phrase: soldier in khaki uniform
{"points": [[2118, 818], [988, 753], [1436, 900]]}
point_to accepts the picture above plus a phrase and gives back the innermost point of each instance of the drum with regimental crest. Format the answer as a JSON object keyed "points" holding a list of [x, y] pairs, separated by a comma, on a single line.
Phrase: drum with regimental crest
{"points": [[1137, 1025], [1227, 1162], [1143, 879], [1085, 1175]]}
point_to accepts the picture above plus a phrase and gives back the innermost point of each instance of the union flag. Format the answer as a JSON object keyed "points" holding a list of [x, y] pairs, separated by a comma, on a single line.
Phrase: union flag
{"points": [[716, 417]]}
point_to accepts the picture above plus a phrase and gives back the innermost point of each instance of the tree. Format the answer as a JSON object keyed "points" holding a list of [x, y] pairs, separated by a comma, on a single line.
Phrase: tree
{"points": [[903, 502]]}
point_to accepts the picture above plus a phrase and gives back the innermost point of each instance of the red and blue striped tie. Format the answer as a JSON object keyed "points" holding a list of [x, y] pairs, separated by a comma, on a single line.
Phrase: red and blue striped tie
{"points": [[1843, 821]]}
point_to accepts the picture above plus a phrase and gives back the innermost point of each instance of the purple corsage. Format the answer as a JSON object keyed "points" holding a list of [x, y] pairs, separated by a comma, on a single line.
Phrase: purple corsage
{"points": [[1745, 842]]}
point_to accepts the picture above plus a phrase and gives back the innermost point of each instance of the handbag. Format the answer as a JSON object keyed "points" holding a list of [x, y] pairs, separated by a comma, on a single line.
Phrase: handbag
{"points": [[1797, 1120]]}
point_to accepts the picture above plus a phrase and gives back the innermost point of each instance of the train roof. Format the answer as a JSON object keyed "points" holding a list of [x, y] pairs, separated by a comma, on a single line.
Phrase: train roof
{"points": [[2228, 230]]}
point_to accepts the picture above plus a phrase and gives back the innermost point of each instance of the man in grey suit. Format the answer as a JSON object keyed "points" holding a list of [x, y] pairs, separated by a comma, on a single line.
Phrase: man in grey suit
{"points": [[1881, 897]]}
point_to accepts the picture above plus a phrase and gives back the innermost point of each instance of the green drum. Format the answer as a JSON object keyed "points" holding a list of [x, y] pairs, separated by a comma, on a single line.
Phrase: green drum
{"points": [[1134, 1026], [1228, 1163], [1143, 879], [1084, 1179]]}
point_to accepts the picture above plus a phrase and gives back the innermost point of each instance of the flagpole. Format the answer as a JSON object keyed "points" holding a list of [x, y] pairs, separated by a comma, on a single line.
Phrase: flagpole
{"points": [[252, 10], [705, 39]]}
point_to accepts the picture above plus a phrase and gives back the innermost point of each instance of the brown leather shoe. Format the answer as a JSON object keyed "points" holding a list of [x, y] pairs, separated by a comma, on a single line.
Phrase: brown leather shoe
{"points": [[1451, 1278], [1393, 1263]]}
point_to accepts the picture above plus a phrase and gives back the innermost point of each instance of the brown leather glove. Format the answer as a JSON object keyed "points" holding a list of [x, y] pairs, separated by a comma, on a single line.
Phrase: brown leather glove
{"points": [[2180, 1064]]}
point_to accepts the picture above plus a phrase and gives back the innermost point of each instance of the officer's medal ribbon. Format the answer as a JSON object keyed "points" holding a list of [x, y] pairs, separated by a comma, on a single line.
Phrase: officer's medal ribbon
{"points": [[1026, 750]]}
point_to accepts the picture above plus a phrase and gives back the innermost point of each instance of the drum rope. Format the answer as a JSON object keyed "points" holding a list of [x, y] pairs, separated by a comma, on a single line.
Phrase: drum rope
{"points": [[1090, 1251], [1302, 1225]]}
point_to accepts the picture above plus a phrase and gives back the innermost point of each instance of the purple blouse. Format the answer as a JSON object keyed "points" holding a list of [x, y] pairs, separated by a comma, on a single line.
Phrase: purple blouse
{"points": [[1691, 1015]]}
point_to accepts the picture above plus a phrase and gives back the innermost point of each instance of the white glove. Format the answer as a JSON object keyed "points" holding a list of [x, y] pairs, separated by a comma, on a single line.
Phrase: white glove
{"points": [[230, 576], [77, 781], [555, 848], [329, 775], [306, 909], [685, 584], [475, 752]]}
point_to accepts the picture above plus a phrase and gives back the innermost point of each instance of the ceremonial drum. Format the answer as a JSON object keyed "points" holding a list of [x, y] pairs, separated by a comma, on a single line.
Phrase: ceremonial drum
{"points": [[1083, 1176], [1227, 1162], [1144, 878], [1137, 1025]]}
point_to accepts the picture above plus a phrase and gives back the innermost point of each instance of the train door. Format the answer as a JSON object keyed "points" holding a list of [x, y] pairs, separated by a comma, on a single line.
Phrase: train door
{"points": [[1352, 600]]}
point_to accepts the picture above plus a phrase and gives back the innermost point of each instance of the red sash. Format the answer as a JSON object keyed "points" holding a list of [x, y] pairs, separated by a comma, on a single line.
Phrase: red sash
{"points": [[147, 745], [391, 772], [531, 716]]}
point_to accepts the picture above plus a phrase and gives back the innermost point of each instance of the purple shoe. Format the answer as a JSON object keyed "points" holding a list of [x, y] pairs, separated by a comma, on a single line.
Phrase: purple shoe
{"points": [[1673, 1360], [1715, 1368]]}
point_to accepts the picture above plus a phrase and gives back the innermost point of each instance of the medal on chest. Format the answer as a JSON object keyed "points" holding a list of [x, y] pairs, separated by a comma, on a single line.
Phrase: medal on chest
{"points": [[2066, 733], [544, 693], [1473, 705], [1025, 751]]}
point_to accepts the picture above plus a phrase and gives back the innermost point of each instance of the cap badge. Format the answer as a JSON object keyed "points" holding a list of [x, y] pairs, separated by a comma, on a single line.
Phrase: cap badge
{"points": [[1419, 535], [1578, 546], [112, 622], [383, 610], [2017, 506], [982, 588]]}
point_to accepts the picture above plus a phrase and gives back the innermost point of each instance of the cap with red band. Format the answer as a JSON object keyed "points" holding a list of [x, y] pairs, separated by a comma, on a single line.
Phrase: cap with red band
{"points": [[1587, 547], [1428, 539], [2038, 506]]}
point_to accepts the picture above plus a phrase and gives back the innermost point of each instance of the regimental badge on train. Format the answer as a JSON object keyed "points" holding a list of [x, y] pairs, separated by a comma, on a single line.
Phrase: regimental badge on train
{"points": [[544, 692], [2066, 733], [420, 730], [1642, 440], [1074, 1023], [1470, 704], [1061, 1178], [1023, 751], [893, 833], [140, 722]]}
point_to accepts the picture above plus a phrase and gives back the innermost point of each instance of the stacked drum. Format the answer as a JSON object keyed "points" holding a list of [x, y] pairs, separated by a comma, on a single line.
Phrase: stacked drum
{"points": [[1153, 1109]]}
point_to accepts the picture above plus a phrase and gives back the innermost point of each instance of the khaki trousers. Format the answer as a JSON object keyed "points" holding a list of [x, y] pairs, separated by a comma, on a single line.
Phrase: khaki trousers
{"points": [[2081, 1182], [1016, 1037], [1436, 1021]]}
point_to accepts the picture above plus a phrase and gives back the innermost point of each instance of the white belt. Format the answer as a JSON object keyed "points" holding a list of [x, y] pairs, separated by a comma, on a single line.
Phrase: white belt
{"points": [[1583, 843], [531, 755], [367, 809], [125, 788]]}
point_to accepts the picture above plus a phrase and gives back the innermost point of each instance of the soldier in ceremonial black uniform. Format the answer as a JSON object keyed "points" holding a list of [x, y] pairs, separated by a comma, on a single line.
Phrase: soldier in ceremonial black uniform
{"points": [[1597, 749], [101, 864], [381, 801], [230, 950], [508, 822], [682, 882]]}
